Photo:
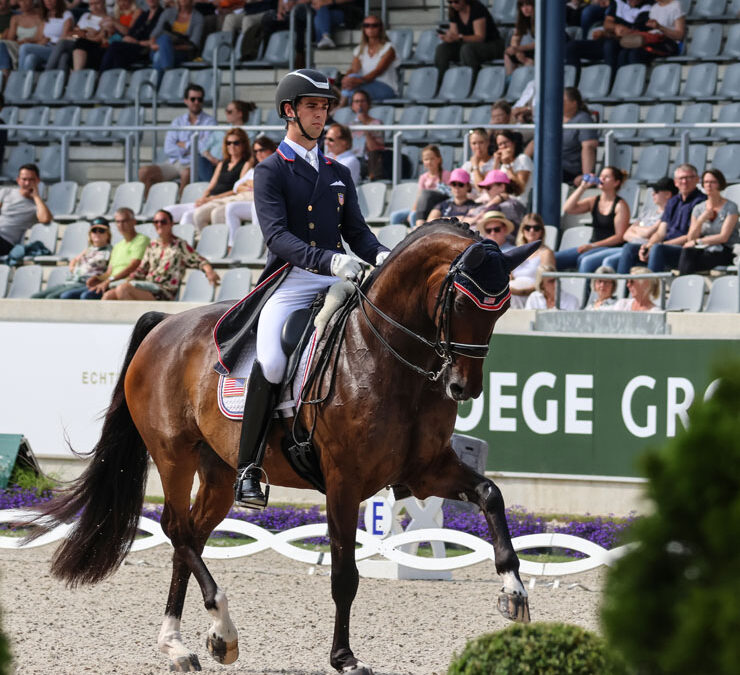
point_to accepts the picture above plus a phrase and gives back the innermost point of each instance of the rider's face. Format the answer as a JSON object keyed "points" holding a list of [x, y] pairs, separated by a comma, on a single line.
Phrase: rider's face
{"points": [[312, 112]]}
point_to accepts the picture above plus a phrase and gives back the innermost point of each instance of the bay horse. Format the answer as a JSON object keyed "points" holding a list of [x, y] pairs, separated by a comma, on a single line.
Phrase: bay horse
{"points": [[381, 423]]}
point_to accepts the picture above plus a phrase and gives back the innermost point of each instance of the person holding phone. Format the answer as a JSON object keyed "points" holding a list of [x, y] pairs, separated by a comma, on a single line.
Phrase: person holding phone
{"points": [[610, 215]]}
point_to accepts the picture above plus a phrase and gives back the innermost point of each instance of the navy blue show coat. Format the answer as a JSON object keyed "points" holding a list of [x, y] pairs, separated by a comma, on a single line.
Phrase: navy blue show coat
{"points": [[303, 215]]}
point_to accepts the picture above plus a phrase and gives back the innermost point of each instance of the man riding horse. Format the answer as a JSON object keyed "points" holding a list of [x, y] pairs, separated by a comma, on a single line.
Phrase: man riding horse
{"points": [[304, 204]]}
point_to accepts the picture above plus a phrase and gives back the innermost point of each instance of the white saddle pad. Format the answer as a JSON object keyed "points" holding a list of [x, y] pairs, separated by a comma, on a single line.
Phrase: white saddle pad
{"points": [[232, 389]]}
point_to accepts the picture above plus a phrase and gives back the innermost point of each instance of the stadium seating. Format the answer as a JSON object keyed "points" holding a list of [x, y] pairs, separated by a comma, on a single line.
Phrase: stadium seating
{"points": [[235, 284], [61, 198], [196, 288], [686, 294], [26, 281], [129, 195], [4, 274], [249, 246], [46, 234], [160, 196], [74, 241], [723, 295], [213, 242]]}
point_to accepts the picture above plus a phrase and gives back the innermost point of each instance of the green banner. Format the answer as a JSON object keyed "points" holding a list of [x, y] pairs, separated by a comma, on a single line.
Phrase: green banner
{"points": [[586, 406]]}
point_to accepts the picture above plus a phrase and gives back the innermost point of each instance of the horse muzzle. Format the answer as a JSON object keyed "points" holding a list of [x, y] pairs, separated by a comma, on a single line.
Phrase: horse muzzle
{"points": [[459, 388]]}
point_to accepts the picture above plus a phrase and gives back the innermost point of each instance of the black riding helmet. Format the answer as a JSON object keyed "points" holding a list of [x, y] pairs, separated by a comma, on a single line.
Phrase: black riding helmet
{"points": [[298, 84]]}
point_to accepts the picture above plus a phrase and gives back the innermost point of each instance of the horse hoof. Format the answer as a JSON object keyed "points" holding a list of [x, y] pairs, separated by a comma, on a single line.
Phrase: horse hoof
{"points": [[514, 607], [185, 664], [222, 652]]}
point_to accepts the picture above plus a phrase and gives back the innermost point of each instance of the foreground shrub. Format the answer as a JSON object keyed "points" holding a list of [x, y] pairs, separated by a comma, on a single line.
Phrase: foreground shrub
{"points": [[5, 657], [671, 604], [537, 649]]}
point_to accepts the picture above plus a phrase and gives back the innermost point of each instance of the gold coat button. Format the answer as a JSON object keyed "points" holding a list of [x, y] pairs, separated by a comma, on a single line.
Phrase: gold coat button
{"points": [[313, 243], [310, 208], [339, 245], [311, 226], [337, 209]]}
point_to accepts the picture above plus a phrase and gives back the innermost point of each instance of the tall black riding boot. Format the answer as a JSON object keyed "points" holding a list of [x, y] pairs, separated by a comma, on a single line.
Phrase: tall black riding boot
{"points": [[258, 408]]}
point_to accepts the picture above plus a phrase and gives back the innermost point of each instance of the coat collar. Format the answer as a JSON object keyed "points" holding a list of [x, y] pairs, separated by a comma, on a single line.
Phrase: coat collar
{"points": [[300, 167]]}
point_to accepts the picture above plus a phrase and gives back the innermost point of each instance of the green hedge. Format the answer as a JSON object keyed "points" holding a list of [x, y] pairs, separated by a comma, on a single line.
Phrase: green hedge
{"points": [[537, 649], [671, 605]]}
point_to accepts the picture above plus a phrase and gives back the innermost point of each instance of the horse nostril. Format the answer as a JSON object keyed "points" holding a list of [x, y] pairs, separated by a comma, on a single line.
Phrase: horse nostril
{"points": [[456, 390]]}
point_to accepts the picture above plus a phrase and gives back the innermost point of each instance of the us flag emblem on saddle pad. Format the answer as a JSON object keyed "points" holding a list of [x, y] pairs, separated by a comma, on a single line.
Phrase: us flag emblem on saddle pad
{"points": [[234, 386]]}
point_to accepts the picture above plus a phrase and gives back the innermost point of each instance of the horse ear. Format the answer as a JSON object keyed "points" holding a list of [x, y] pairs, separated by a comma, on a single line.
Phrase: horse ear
{"points": [[473, 257], [516, 256]]}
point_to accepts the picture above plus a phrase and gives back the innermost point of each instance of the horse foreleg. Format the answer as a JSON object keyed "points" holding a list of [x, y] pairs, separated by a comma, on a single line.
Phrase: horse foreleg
{"points": [[451, 479], [341, 512]]}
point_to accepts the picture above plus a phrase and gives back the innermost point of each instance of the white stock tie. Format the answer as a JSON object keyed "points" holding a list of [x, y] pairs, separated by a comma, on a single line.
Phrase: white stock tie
{"points": [[313, 159]]}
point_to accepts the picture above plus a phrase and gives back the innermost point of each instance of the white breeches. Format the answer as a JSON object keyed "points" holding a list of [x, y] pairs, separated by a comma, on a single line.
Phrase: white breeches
{"points": [[296, 292], [235, 213]]}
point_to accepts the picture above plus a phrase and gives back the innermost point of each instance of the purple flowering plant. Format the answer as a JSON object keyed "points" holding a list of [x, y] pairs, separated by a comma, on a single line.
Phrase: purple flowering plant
{"points": [[604, 531]]}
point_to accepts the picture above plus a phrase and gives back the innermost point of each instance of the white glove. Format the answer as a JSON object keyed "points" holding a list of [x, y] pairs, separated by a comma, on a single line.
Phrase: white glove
{"points": [[345, 266], [380, 258]]}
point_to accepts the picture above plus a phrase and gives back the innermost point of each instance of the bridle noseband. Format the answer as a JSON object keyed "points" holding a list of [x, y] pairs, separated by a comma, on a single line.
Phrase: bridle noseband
{"points": [[444, 347]]}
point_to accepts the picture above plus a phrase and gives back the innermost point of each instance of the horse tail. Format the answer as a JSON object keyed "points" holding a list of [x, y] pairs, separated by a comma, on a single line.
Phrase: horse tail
{"points": [[108, 496]]}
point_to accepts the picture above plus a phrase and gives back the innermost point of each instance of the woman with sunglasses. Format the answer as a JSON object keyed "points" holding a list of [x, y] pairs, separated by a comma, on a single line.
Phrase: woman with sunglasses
{"points": [[91, 262], [470, 38], [162, 269], [520, 51], [713, 231], [523, 278], [460, 203], [611, 218], [642, 293], [374, 66], [211, 152], [240, 209], [237, 155]]}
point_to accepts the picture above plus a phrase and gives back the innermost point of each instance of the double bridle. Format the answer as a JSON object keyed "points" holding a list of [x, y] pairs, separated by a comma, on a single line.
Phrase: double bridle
{"points": [[445, 348]]}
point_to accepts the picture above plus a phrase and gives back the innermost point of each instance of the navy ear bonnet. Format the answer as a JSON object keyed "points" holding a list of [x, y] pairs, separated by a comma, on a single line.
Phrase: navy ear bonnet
{"points": [[481, 272]]}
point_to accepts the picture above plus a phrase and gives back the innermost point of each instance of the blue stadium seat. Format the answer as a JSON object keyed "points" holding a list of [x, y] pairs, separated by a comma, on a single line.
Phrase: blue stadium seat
{"points": [[701, 82], [204, 78], [504, 12], [18, 87], [80, 87], [489, 86], [520, 78], [413, 154], [448, 157], [630, 192], [728, 113], [727, 160], [276, 54], [451, 114], [705, 41], [50, 163], [421, 85], [37, 116], [69, 116], [414, 114], [479, 115], [424, 50], [173, 85], [629, 83], [696, 113], [135, 84], [697, 158], [20, 154], [664, 83], [623, 159], [274, 119], [403, 42], [217, 46], [594, 82], [729, 88], [9, 115], [102, 116], [111, 86], [708, 10], [456, 84], [659, 113], [569, 73], [127, 117], [652, 164], [731, 50], [625, 113], [49, 87]]}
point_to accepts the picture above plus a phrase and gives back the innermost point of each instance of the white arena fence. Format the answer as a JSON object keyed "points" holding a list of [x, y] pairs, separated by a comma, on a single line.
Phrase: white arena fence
{"points": [[370, 546]]}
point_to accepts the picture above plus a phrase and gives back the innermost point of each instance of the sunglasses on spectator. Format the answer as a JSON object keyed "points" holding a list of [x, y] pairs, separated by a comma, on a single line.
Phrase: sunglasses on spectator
{"points": [[233, 142], [458, 184], [230, 110], [331, 139], [196, 98], [162, 221], [496, 229], [256, 149], [371, 24], [98, 230], [532, 228]]}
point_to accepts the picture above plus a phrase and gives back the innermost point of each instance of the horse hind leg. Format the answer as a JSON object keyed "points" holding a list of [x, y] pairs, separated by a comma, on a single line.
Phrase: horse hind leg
{"points": [[451, 479]]}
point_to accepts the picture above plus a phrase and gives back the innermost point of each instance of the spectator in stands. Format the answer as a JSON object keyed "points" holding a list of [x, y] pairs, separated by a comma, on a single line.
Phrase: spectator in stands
{"points": [[177, 36], [237, 115], [433, 188], [667, 27], [25, 27], [241, 209], [162, 269], [134, 46], [520, 51], [89, 52], [713, 231], [544, 293], [248, 21], [375, 64], [21, 207], [91, 262], [501, 114], [500, 194], [647, 219], [602, 290], [338, 141], [524, 277], [5, 15], [3, 133], [460, 203], [663, 249], [372, 150], [124, 258], [177, 143], [91, 28], [237, 153], [471, 37], [579, 145], [330, 14], [274, 20], [622, 17], [481, 160], [643, 292], [58, 24], [510, 158], [495, 226], [610, 218], [591, 14]]}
